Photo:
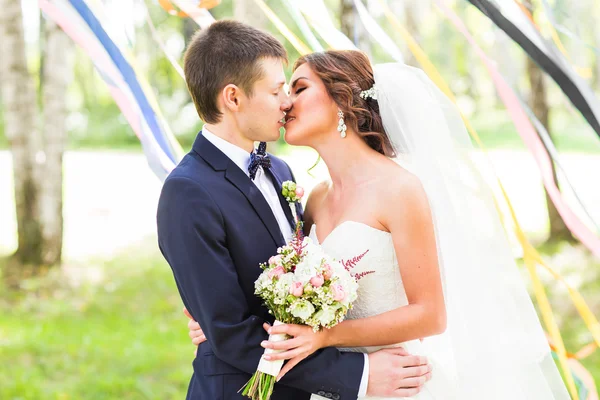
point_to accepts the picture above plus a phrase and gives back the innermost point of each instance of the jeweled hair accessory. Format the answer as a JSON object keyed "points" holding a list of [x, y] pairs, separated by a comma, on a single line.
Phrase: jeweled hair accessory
{"points": [[369, 93]]}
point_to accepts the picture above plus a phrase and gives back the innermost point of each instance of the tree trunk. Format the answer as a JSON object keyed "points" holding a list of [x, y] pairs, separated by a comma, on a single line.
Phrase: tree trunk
{"points": [[347, 18], [37, 157], [57, 76], [20, 115], [539, 104], [410, 19], [351, 26]]}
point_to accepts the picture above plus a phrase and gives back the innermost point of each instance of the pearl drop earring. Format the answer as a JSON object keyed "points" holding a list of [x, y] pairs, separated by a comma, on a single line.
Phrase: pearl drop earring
{"points": [[341, 125]]}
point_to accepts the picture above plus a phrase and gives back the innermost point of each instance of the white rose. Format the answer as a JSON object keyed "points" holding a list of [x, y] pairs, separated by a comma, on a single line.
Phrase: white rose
{"points": [[282, 285], [305, 271], [262, 282], [325, 316], [302, 309]]}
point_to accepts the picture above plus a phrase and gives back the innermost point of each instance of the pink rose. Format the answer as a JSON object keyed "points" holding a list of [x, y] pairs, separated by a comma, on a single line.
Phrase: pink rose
{"points": [[297, 289], [275, 260], [276, 272], [338, 292], [317, 280], [327, 272], [299, 192]]}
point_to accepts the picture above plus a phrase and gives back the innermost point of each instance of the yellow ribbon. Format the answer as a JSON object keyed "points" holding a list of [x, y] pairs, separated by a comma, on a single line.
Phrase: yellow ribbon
{"points": [[168, 7], [530, 254], [289, 35], [584, 72]]}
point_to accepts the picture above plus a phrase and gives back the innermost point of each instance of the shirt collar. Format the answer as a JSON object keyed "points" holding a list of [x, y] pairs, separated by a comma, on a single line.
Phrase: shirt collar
{"points": [[239, 156]]}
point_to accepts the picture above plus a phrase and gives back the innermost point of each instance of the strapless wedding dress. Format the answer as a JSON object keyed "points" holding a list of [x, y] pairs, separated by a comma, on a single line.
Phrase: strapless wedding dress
{"points": [[380, 290]]}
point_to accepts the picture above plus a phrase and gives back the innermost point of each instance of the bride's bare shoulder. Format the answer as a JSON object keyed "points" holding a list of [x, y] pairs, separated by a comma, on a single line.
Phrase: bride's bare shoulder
{"points": [[316, 196], [400, 189], [396, 177]]}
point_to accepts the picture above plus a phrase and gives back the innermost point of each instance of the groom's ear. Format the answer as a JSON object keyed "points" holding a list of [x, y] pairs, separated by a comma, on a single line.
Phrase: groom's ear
{"points": [[231, 97]]}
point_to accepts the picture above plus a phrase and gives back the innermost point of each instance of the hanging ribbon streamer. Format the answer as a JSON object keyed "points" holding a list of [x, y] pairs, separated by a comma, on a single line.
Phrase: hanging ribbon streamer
{"points": [[297, 16], [200, 15], [201, 4], [362, 10], [168, 7], [530, 254], [553, 153], [552, 19], [532, 141], [378, 34], [529, 137], [317, 15], [127, 88], [584, 72], [289, 35], [204, 19], [508, 16], [160, 43]]}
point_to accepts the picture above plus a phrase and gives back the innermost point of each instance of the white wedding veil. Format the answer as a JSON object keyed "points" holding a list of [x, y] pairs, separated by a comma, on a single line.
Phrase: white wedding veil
{"points": [[494, 344]]}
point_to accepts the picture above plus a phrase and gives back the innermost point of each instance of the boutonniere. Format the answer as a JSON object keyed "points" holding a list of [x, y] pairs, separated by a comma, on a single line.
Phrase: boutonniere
{"points": [[293, 194]]}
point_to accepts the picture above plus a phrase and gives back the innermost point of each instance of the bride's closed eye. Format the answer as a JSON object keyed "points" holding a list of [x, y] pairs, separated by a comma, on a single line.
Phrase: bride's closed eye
{"points": [[299, 90]]}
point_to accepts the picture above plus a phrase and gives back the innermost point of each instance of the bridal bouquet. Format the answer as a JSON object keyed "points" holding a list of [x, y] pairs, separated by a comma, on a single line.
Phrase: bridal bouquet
{"points": [[299, 285]]}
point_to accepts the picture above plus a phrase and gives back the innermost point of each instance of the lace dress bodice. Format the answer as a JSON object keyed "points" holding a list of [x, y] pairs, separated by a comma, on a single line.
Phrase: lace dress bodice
{"points": [[380, 288], [370, 255]]}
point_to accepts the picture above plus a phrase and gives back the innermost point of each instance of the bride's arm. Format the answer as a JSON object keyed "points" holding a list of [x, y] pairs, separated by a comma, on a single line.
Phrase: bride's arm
{"points": [[408, 217]]}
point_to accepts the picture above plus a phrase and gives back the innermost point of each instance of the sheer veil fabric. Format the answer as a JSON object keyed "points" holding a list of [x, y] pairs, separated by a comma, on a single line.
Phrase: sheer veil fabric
{"points": [[494, 344]]}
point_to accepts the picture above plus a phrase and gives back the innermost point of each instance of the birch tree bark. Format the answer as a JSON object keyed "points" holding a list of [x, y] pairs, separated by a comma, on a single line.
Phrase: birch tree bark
{"points": [[37, 154], [58, 67], [20, 116]]}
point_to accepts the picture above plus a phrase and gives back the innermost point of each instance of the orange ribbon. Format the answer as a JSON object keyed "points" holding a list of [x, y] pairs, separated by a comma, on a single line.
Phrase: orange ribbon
{"points": [[168, 6]]}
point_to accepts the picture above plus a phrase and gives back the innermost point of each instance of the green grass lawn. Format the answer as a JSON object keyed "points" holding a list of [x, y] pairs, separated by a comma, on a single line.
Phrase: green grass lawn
{"points": [[124, 336], [569, 134], [123, 339]]}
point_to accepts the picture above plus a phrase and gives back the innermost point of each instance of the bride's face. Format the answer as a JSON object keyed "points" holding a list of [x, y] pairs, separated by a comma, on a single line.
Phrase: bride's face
{"points": [[312, 116]]}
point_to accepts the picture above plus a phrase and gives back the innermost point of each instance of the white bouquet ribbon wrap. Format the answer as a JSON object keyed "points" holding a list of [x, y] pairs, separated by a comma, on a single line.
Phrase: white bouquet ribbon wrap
{"points": [[272, 367]]}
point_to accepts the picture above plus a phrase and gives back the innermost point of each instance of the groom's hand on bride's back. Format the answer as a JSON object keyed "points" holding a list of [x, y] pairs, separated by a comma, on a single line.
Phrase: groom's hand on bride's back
{"points": [[395, 373], [392, 372], [196, 333]]}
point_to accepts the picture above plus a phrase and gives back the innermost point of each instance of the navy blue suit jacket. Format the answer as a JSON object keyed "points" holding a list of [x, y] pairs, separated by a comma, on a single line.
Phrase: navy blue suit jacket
{"points": [[214, 229]]}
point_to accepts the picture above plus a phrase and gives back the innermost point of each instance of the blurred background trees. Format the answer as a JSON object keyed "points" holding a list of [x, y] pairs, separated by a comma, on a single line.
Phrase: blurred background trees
{"points": [[55, 105], [35, 114]]}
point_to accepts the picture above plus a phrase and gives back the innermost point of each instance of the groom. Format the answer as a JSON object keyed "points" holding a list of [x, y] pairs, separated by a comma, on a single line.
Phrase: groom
{"points": [[221, 214]]}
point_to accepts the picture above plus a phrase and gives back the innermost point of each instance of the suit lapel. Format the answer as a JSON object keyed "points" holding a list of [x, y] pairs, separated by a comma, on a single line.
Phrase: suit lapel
{"points": [[240, 180], [277, 182]]}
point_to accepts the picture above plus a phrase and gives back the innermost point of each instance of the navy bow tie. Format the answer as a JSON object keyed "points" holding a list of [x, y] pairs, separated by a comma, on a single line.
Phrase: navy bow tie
{"points": [[259, 158]]}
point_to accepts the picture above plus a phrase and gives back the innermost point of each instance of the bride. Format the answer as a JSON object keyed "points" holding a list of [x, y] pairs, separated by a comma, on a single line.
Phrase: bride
{"points": [[407, 211]]}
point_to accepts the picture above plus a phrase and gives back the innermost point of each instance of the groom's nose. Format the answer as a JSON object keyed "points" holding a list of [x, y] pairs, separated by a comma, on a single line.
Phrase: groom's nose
{"points": [[286, 105]]}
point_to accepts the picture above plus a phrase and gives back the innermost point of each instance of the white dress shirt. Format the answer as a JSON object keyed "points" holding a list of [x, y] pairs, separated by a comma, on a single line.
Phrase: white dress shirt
{"points": [[241, 158]]}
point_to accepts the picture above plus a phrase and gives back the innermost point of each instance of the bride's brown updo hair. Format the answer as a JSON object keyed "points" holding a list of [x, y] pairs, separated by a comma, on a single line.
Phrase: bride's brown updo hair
{"points": [[345, 74]]}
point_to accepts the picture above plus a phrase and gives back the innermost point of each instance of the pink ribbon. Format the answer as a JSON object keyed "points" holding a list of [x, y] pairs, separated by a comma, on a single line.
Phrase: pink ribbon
{"points": [[531, 140]]}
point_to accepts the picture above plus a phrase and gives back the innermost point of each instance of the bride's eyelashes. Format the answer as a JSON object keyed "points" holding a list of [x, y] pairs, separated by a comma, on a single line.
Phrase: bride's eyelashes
{"points": [[299, 90]]}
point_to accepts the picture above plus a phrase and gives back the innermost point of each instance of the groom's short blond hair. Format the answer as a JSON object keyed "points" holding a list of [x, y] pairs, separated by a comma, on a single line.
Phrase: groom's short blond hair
{"points": [[228, 52]]}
